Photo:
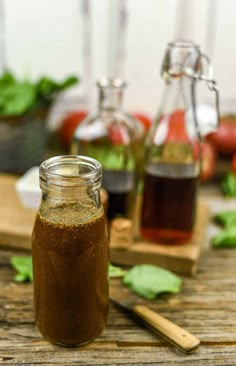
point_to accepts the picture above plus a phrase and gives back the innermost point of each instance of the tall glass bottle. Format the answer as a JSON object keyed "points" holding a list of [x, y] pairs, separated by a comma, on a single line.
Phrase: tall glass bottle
{"points": [[173, 151], [115, 139]]}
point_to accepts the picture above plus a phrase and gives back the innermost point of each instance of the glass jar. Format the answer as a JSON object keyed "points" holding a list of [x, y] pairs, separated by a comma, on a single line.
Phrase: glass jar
{"points": [[70, 252], [115, 139], [173, 150]]}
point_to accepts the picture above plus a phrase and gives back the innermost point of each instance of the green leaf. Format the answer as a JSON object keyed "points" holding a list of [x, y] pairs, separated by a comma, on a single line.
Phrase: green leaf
{"points": [[7, 79], [71, 80], [226, 218], [148, 281], [46, 87], [20, 277], [226, 238], [229, 185], [23, 266], [116, 271], [18, 97]]}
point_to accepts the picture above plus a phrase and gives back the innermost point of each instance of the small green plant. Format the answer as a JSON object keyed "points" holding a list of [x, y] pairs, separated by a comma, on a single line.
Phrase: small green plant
{"points": [[20, 96]]}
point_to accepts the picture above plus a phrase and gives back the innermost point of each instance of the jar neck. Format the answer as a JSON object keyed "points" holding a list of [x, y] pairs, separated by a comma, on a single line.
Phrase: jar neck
{"points": [[110, 98]]}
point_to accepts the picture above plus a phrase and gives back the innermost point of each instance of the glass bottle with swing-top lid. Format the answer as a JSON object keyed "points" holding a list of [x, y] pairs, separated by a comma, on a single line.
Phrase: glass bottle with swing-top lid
{"points": [[173, 148]]}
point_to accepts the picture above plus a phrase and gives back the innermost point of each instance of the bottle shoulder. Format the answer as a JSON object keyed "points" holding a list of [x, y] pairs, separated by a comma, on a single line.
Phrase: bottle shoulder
{"points": [[109, 124]]}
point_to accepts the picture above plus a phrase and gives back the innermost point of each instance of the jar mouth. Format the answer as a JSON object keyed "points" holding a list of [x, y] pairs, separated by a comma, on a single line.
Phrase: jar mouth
{"points": [[70, 170], [182, 58]]}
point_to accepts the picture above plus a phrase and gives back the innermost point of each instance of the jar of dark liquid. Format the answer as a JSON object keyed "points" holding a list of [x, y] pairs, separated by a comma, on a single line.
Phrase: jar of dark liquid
{"points": [[70, 252], [173, 150], [116, 140]]}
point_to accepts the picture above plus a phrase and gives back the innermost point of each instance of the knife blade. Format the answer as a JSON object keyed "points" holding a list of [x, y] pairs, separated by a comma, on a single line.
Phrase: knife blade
{"points": [[171, 332]]}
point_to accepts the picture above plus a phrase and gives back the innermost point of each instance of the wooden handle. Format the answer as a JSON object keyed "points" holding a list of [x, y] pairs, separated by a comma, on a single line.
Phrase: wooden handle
{"points": [[177, 336]]}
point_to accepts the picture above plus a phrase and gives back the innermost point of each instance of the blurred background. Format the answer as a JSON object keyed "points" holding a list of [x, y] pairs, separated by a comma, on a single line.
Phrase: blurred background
{"points": [[124, 38], [91, 39]]}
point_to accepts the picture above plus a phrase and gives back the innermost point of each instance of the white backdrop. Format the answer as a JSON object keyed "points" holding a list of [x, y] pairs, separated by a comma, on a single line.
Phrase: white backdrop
{"points": [[45, 37]]}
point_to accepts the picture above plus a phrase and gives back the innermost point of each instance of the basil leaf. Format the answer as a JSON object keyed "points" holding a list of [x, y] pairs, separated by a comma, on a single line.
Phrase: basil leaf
{"points": [[7, 79], [23, 266], [148, 281], [226, 219], [71, 80], [46, 87], [116, 271], [226, 238], [229, 185], [18, 97]]}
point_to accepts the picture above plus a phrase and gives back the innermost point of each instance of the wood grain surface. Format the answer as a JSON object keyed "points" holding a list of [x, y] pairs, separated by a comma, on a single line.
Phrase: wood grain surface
{"points": [[205, 307]]}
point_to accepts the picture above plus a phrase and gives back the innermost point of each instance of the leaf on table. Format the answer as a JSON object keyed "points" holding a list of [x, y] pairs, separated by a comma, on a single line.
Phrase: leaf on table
{"points": [[226, 218], [23, 266], [148, 281], [115, 271], [226, 238], [229, 185]]}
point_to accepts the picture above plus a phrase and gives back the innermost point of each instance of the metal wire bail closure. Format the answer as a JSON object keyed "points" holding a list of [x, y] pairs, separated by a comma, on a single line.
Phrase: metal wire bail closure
{"points": [[208, 78]]}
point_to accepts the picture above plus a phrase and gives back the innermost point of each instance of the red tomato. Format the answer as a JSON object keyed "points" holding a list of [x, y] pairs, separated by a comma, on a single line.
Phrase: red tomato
{"points": [[144, 119], [117, 134], [233, 164], [68, 126], [224, 138], [209, 158], [177, 131]]}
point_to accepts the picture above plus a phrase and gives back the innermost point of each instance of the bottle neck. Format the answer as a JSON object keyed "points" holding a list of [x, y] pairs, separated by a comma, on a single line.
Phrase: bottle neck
{"points": [[110, 98], [177, 95]]}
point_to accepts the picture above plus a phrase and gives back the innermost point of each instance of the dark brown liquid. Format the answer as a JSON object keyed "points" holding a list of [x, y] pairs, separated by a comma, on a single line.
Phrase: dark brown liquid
{"points": [[120, 185], [168, 210], [118, 204], [70, 263]]}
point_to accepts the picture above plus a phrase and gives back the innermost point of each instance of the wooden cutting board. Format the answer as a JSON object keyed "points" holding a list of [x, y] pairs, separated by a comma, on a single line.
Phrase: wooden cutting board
{"points": [[16, 224], [16, 221]]}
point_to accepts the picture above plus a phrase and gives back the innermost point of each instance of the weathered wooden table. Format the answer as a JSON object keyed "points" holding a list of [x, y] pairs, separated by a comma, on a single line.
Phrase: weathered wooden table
{"points": [[206, 307]]}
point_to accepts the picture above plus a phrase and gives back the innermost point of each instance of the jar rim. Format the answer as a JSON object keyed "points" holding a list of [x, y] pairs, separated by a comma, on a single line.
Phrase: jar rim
{"points": [[48, 169]]}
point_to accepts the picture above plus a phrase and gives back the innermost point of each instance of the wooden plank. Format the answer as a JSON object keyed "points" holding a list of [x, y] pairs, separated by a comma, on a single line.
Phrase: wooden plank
{"points": [[178, 258], [205, 307]]}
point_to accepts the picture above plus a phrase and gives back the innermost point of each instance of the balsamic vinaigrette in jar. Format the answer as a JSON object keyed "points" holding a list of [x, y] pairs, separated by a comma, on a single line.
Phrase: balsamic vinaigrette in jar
{"points": [[70, 252]]}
